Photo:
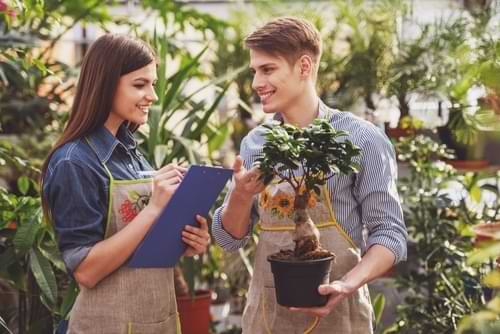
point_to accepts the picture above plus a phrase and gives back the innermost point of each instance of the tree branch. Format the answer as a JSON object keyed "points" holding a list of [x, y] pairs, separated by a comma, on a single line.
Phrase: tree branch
{"points": [[287, 179]]}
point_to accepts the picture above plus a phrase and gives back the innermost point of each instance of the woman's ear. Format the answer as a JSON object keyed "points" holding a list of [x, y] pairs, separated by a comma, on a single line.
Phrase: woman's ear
{"points": [[306, 66]]}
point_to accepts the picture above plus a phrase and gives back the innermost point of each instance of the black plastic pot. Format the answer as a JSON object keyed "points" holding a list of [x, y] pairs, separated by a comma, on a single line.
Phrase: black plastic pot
{"points": [[296, 282]]}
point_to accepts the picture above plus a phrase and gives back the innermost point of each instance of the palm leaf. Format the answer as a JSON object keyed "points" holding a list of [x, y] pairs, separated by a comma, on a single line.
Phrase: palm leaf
{"points": [[44, 275]]}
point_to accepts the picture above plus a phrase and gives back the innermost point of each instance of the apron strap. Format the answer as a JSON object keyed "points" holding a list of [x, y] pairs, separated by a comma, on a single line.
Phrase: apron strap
{"points": [[308, 330], [282, 228]]}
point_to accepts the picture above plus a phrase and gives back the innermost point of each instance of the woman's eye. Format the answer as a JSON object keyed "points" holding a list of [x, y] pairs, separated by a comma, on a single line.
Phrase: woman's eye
{"points": [[139, 86]]}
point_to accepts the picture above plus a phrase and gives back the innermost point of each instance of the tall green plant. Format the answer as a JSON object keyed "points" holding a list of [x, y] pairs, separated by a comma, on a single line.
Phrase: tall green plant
{"points": [[486, 252], [440, 287], [29, 258], [182, 125]]}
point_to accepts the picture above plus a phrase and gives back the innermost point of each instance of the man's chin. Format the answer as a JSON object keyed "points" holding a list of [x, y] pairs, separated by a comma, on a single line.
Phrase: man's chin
{"points": [[268, 109]]}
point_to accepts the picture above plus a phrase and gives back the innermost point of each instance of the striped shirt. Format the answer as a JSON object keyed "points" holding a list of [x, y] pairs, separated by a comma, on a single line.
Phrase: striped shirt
{"points": [[367, 201]]}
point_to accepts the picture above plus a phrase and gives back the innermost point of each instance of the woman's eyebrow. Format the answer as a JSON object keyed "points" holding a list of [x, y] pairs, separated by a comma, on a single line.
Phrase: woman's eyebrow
{"points": [[144, 79]]}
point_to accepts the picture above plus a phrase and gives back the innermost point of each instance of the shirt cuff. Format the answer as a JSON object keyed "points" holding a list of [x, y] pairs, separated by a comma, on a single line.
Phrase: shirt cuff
{"points": [[395, 244], [224, 238], [74, 256]]}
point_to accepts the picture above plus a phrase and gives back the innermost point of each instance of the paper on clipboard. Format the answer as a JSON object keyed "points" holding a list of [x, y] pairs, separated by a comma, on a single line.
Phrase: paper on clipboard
{"points": [[163, 246]]}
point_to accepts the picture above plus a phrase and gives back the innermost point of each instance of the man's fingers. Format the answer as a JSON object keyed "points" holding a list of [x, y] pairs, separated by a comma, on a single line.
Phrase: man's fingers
{"points": [[238, 163], [335, 287], [334, 301], [327, 289]]}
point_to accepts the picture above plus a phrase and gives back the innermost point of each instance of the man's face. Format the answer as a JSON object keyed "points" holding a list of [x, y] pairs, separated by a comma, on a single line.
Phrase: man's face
{"points": [[277, 83]]}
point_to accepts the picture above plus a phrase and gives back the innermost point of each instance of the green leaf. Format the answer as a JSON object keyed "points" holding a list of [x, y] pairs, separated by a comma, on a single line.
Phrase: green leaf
{"points": [[475, 193], [133, 195], [69, 299], [219, 138], [378, 307], [492, 279], [160, 153], [44, 276], [23, 183], [485, 253], [26, 235], [49, 249]]}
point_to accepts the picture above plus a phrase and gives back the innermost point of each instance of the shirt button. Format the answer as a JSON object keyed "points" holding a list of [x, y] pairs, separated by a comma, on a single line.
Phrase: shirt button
{"points": [[130, 166]]}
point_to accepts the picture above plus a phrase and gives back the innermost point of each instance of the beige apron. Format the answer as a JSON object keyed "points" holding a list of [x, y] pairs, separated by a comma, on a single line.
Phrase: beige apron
{"points": [[129, 300], [262, 314]]}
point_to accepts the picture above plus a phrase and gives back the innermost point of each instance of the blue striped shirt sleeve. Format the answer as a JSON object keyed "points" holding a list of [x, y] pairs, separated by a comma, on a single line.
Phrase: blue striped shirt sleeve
{"points": [[376, 192]]}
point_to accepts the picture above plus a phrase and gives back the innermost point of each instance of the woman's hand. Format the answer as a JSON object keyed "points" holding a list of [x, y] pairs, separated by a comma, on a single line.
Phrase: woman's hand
{"points": [[196, 238], [165, 182]]}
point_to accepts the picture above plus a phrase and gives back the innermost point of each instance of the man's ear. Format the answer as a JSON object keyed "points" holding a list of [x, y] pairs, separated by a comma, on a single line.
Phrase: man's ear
{"points": [[306, 65]]}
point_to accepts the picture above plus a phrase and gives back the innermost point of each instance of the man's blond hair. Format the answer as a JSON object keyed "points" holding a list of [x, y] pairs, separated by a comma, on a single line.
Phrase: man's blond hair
{"points": [[289, 37]]}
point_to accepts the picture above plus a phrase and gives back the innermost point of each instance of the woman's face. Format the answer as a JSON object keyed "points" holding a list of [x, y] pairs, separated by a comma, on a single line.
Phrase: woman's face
{"points": [[134, 95]]}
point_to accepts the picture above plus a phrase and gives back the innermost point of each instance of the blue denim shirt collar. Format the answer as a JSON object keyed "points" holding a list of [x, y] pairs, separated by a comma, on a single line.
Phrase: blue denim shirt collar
{"points": [[105, 143]]}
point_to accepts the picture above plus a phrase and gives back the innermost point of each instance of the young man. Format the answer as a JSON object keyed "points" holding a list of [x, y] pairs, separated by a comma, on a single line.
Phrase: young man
{"points": [[284, 55]]}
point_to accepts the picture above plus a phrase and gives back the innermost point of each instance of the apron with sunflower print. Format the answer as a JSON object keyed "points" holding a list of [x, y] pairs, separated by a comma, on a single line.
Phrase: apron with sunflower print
{"points": [[262, 314], [130, 300]]}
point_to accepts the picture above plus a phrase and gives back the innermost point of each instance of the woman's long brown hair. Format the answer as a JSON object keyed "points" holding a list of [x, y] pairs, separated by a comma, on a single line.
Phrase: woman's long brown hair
{"points": [[108, 58]]}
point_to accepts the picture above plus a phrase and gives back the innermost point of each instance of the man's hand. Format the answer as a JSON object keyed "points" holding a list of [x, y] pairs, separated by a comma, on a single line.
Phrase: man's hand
{"points": [[246, 183], [376, 262], [338, 290]]}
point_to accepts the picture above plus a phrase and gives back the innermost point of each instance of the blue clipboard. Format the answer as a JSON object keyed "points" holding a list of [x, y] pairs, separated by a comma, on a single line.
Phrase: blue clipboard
{"points": [[163, 246]]}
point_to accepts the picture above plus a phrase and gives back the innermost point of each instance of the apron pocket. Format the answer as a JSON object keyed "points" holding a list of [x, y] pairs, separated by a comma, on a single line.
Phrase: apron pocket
{"points": [[168, 326]]}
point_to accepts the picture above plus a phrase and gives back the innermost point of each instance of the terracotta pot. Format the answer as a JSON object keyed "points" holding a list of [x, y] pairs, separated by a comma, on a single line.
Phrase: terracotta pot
{"points": [[397, 133], [469, 165], [194, 312]]}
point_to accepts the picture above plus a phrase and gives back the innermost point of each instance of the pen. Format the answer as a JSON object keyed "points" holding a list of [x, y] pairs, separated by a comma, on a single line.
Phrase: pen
{"points": [[146, 172]]}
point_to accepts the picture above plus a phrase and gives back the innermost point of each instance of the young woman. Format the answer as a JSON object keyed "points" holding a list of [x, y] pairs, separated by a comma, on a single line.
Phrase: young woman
{"points": [[100, 205]]}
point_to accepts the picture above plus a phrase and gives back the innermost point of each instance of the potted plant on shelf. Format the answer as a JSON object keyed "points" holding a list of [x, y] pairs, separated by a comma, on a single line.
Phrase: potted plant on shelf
{"points": [[319, 154]]}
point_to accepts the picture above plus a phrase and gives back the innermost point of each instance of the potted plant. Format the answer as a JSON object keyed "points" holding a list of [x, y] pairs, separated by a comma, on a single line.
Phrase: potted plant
{"points": [[193, 304], [319, 153]]}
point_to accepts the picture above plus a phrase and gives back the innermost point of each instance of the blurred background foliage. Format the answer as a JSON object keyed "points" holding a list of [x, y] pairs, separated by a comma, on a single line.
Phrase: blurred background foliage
{"points": [[437, 83]]}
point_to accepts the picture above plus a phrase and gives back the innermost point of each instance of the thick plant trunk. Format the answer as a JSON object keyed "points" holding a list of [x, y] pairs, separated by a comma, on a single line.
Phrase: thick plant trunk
{"points": [[306, 233]]}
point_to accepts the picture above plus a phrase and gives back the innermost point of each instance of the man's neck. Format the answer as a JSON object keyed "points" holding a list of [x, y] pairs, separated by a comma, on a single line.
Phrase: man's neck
{"points": [[304, 111]]}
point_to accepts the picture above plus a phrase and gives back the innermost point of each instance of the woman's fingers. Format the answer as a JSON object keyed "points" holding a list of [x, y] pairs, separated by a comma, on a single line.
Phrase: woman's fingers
{"points": [[171, 177], [171, 167], [203, 222], [197, 238]]}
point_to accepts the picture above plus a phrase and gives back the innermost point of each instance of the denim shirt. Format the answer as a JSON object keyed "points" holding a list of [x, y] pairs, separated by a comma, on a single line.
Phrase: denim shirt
{"points": [[76, 188]]}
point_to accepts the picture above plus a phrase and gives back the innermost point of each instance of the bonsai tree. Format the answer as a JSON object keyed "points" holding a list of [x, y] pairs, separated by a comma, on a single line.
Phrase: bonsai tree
{"points": [[319, 154]]}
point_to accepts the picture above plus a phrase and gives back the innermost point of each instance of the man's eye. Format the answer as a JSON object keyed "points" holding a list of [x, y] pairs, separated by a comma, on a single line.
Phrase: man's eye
{"points": [[267, 70]]}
